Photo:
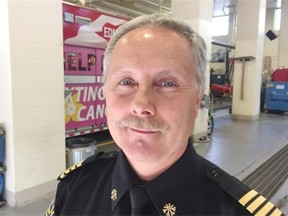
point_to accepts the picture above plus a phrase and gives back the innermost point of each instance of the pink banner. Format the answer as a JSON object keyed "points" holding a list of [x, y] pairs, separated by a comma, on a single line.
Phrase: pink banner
{"points": [[79, 61], [84, 101], [80, 106], [85, 35]]}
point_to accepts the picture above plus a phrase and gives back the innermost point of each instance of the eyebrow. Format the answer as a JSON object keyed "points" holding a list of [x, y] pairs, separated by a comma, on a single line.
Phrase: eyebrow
{"points": [[121, 73], [165, 72], [161, 72]]}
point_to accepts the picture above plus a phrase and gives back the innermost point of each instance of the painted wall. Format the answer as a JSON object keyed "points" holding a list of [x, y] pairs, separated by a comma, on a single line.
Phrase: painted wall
{"points": [[6, 112], [271, 47], [199, 15], [32, 86]]}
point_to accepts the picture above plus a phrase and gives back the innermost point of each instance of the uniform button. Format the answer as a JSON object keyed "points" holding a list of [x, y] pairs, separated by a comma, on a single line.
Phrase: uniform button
{"points": [[215, 173]]}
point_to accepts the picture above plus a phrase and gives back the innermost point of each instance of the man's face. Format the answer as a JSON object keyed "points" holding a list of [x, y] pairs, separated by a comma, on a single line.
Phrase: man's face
{"points": [[151, 95]]}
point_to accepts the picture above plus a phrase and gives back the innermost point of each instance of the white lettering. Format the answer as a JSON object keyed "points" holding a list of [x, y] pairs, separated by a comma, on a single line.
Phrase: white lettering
{"points": [[101, 95], [108, 32], [79, 113], [85, 95], [100, 110], [92, 93], [79, 89], [90, 113]]}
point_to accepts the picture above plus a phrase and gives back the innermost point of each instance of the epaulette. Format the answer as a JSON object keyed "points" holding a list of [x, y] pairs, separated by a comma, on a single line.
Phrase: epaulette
{"points": [[51, 209], [88, 160], [254, 202]]}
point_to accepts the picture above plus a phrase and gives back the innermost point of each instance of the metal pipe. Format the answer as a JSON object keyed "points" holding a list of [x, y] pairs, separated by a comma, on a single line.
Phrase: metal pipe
{"points": [[160, 6], [223, 44], [116, 8], [243, 59]]}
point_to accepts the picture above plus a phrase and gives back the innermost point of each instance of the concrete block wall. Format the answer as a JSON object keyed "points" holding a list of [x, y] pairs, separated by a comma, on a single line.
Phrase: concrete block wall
{"points": [[34, 84], [199, 15]]}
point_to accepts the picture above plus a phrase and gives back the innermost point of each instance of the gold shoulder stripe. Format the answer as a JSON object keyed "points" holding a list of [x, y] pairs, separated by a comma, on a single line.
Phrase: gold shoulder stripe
{"points": [[50, 211], [276, 212], [256, 204], [247, 197], [64, 174], [265, 209], [259, 206]]}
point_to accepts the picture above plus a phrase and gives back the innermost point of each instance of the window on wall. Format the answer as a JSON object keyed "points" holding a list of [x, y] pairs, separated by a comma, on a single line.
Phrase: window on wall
{"points": [[277, 15], [277, 19], [220, 26]]}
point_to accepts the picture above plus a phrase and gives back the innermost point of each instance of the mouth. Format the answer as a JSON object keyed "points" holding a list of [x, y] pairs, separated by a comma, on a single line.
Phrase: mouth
{"points": [[142, 131]]}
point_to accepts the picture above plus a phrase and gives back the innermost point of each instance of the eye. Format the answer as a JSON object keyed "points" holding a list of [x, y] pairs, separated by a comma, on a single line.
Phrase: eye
{"points": [[127, 82], [168, 83]]}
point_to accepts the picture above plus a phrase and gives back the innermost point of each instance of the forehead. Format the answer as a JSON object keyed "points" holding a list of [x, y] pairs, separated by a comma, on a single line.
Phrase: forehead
{"points": [[150, 33], [146, 31], [152, 50], [151, 41]]}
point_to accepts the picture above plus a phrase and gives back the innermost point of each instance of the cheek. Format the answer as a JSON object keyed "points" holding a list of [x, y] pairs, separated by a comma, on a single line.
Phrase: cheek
{"points": [[185, 111], [115, 106], [110, 107]]}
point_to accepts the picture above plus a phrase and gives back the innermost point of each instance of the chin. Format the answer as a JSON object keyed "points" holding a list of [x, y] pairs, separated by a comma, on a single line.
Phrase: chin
{"points": [[138, 151]]}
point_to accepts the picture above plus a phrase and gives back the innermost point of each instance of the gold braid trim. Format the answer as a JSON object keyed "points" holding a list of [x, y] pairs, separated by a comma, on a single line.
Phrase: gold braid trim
{"points": [[66, 172], [252, 201]]}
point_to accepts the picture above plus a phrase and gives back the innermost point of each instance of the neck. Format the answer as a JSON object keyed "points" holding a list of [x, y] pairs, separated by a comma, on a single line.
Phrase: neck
{"points": [[147, 171]]}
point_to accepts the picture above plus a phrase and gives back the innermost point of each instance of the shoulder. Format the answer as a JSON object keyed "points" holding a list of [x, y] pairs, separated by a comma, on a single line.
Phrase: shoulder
{"points": [[250, 199], [99, 159], [229, 183]]}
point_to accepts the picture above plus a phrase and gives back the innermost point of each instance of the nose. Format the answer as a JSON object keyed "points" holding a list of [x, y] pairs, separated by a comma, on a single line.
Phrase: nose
{"points": [[142, 103]]}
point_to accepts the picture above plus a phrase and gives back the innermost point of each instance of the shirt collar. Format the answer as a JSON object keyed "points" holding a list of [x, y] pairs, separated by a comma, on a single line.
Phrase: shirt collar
{"points": [[171, 189], [168, 190], [122, 180]]}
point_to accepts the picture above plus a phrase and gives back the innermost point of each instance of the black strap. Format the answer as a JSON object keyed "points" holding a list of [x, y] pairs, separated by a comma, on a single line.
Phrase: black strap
{"points": [[139, 199]]}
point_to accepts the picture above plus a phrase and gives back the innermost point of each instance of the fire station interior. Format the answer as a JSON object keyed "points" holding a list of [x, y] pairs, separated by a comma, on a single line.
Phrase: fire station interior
{"points": [[253, 150]]}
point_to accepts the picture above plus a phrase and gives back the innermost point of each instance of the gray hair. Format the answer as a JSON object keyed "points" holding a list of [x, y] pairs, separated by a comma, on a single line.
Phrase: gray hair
{"points": [[198, 46]]}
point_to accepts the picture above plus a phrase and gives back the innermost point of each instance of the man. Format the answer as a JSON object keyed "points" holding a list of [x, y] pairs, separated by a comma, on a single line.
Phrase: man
{"points": [[155, 76]]}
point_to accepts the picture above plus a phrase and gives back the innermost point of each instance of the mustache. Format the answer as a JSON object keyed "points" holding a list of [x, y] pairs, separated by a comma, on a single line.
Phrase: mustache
{"points": [[150, 124]]}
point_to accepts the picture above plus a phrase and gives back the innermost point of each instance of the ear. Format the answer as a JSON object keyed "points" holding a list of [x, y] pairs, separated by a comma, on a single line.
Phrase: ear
{"points": [[199, 101], [201, 97]]}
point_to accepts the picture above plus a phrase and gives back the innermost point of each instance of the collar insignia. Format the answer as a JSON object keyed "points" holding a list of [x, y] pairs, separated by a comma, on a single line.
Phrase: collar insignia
{"points": [[169, 209], [114, 194]]}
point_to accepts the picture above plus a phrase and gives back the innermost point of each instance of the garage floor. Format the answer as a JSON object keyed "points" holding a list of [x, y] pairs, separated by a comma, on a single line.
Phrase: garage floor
{"points": [[239, 147]]}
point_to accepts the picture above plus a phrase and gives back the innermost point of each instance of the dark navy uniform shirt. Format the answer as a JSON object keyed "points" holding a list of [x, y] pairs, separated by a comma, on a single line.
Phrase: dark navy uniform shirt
{"points": [[192, 186]]}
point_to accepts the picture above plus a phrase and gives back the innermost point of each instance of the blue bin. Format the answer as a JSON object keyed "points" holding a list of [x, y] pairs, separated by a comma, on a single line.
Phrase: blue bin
{"points": [[1, 185], [276, 97], [1, 148]]}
